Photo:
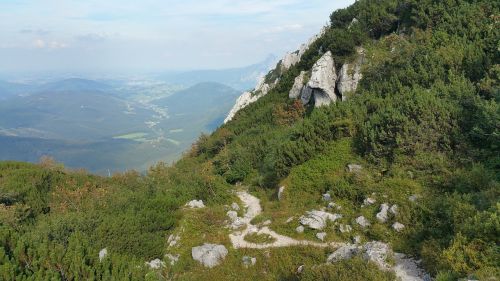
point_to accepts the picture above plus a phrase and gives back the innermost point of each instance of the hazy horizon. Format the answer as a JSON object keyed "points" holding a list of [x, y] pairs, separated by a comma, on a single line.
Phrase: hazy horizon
{"points": [[125, 36]]}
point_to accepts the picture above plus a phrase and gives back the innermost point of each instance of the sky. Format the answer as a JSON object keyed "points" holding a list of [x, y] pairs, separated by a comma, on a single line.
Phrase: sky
{"points": [[153, 35]]}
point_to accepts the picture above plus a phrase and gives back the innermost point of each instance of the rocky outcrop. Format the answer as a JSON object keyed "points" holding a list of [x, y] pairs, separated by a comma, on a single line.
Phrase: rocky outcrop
{"points": [[209, 255], [298, 85], [262, 87], [350, 75], [318, 219], [321, 85]]}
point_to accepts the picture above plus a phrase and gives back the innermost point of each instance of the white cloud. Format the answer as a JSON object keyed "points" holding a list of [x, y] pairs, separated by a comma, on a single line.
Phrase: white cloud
{"points": [[52, 45]]}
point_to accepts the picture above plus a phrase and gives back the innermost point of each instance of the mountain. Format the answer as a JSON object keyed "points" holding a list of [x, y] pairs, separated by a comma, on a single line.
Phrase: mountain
{"points": [[75, 85], [371, 153], [8, 90], [241, 79]]}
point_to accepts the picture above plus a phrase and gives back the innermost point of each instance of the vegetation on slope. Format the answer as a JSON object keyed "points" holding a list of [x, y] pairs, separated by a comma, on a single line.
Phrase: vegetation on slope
{"points": [[424, 121]]}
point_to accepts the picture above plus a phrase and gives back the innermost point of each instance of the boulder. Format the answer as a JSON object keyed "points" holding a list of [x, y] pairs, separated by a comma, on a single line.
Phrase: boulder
{"points": [[102, 254], [297, 86], [378, 253], [362, 221], [354, 168], [382, 215], [281, 190], [321, 85], [321, 236], [209, 255], [318, 219], [398, 226], [342, 253], [155, 264], [195, 204], [248, 261]]}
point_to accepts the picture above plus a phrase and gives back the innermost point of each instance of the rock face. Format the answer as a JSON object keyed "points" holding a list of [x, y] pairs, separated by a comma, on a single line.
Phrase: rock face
{"points": [[318, 219], [102, 254], [298, 85], [262, 88], [382, 215], [195, 204], [350, 75], [209, 255], [321, 85]]}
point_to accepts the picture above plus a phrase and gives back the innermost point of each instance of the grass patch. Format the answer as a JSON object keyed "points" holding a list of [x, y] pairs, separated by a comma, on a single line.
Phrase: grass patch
{"points": [[259, 238]]}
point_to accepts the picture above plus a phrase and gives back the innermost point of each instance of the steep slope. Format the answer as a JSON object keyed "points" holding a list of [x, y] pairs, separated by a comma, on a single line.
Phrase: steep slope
{"points": [[401, 166]]}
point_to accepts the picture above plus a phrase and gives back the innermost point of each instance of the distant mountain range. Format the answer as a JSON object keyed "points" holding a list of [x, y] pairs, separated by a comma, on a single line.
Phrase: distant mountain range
{"points": [[100, 126], [242, 79]]}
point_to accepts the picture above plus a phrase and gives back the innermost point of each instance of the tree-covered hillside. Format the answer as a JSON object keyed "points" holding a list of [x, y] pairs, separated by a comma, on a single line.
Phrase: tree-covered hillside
{"points": [[423, 126]]}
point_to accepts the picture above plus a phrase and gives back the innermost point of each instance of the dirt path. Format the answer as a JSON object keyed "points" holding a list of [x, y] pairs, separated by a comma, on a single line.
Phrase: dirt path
{"points": [[252, 204], [406, 269]]}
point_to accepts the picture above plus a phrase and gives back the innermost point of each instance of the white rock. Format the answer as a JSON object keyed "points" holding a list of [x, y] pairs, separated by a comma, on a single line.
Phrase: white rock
{"points": [[233, 215], [398, 226], [236, 222], [173, 258], [297, 86], [173, 240], [357, 239], [382, 215], [299, 229], [327, 197], [350, 75], [322, 82], [333, 205], [243, 101], [394, 209], [281, 190], [155, 264], [378, 253], [235, 206], [318, 219], [342, 253], [249, 261], [290, 219], [321, 236], [209, 255], [363, 222], [354, 168], [344, 228], [300, 269], [102, 254], [369, 201], [195, 204]]}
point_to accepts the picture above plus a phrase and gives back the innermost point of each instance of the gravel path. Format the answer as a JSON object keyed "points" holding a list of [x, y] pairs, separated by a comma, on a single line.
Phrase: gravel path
{"points": [[253, 209]]}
